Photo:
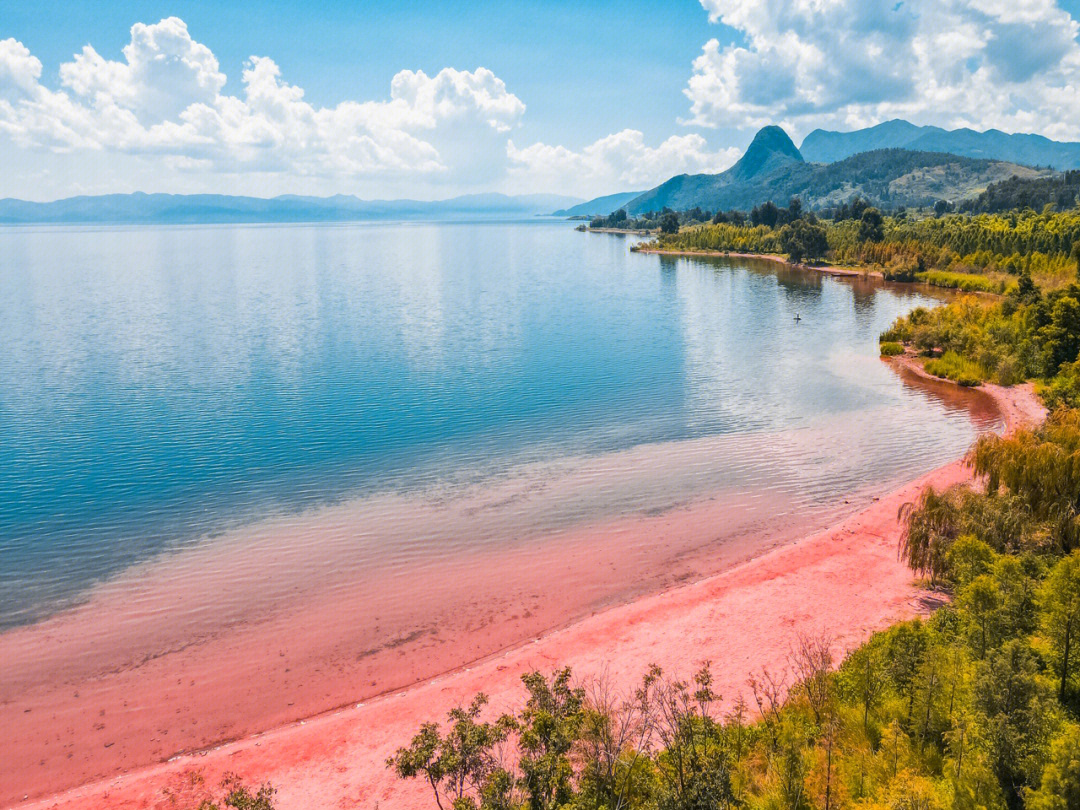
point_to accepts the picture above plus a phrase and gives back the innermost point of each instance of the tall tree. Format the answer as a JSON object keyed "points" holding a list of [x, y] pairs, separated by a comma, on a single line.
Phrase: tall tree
{"points": [[1061, 617]]}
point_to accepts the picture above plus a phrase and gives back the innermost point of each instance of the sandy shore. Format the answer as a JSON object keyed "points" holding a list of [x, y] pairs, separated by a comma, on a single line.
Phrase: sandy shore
{"points": [[741, 620]]}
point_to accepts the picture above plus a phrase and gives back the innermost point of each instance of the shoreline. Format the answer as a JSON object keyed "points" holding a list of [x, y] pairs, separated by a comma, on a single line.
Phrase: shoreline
{"points": [[827, 270], [340, 755]]}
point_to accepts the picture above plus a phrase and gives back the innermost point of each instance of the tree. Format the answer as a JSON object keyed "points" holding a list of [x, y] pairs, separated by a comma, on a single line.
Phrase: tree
{"points": [[1076, 256], [669, 223], [1015, 716], [770, 214], [460, 765], [803, 240], [1060, 601], [871, 226], [980, 602], [794, 208], [1060, 784], [548, 728]]}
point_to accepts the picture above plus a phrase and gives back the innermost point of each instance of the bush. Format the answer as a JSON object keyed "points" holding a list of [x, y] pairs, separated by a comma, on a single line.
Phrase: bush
{"points": [[967, 282], [891, 348], [959, 369]]}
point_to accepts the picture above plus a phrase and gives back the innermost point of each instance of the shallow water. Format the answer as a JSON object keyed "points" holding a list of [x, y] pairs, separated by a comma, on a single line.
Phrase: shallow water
{"points": [[163, 386]]}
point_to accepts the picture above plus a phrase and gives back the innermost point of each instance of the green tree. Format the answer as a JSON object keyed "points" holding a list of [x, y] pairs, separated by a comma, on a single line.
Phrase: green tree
{"points": [[548, 727], [669, 223], [804, 240], [459, 766], [1016, 716], [871, 226], [1060, 604], [979, 604], [1060, 787]]}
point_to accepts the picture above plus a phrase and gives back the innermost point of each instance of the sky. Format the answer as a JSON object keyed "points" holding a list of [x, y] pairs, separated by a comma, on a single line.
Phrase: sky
{"points": [[429, 100]]}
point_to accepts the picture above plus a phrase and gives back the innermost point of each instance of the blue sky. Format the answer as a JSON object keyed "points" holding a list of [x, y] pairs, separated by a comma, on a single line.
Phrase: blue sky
{"points": [[433, 99]]}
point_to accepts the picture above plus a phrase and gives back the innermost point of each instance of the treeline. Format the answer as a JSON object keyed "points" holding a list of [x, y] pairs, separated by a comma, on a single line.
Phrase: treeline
{"points": [[664, 221], [793, 231], [906, 248], [1016, 194], [974, 708]]}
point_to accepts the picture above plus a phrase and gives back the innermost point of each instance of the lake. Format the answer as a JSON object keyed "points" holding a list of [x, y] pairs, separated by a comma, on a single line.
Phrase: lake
{"points": [[360, 454]]}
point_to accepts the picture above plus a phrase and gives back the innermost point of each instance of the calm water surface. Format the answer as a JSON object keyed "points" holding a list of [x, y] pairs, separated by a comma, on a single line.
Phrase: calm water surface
{"points": [[161, 387]]}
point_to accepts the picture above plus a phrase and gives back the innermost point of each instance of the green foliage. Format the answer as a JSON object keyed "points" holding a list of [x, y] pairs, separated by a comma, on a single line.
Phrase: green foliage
{"points": [[956, 367], [189, 791], [1060, 788], [460, 764], [1060, 600], [804, 240], [967, 282], [669, 223], [871, 226], [980, 253], [1035, 193], [890, 348]]}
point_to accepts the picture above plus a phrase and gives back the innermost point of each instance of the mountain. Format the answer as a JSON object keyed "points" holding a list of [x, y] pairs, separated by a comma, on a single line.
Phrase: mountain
{"points": [[601, 206], [770, 153], [773, 169], [771, 150], [216, 208], [823, 146]]}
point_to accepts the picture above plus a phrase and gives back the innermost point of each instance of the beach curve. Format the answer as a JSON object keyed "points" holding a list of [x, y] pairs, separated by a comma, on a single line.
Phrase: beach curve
{"points": [[741, 620]]}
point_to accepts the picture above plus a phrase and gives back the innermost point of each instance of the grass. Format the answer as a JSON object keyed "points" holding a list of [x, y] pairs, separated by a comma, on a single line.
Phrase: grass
{"points": [[967, 282], [957, 368], [890, 348]]}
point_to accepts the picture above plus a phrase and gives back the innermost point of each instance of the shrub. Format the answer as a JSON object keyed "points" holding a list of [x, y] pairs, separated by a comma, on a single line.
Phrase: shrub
{"points": [[891, 348], [959, 369], [967, 282]]}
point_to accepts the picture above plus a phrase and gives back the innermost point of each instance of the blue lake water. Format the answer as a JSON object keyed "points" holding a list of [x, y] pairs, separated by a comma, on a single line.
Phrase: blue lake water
{"points": [[161, 386]]}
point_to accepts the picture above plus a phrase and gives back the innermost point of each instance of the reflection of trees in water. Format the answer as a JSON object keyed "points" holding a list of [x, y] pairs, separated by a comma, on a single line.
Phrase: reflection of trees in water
{"points": [[979, 406]]}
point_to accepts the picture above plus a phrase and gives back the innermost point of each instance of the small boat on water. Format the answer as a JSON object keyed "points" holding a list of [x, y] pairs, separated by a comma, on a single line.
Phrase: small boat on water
{"points": [[798, 318]]}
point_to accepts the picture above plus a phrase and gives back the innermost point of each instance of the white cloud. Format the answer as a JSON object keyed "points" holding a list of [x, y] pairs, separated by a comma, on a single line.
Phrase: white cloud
{"points": [[619, 162], [19, 70], [164, 72], [160, 115], [1012, 64], [165, 99]]}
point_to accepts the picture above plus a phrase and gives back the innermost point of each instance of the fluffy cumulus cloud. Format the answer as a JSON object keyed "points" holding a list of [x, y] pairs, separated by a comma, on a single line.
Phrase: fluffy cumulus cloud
{"points": [[1011, 64], [165, 99], [161, 116], [622, 161]]}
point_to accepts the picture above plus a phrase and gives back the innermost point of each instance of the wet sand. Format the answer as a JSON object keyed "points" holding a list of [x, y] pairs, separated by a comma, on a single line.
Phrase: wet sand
{"points": [[90, 723]]}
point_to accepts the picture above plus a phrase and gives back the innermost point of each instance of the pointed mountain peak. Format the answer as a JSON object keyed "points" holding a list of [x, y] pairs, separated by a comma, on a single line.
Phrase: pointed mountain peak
{"points": [[770, 149]]}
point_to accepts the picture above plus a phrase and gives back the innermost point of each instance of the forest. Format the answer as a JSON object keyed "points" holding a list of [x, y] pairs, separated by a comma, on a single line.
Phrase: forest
{"points": [[983, 252]]}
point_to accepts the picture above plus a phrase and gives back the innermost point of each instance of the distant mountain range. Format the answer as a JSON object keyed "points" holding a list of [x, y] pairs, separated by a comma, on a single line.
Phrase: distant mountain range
{"points": [[822, 146], [601, 206], [894, 163], [774, 169], [216, 208]]}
